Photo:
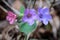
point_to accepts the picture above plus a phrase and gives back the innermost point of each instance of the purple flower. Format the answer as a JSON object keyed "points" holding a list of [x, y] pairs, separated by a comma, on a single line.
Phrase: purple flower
{"points": [[29, 16], [44, 15]]}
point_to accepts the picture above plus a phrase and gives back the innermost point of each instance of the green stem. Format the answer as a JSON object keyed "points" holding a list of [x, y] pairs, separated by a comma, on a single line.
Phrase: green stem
{"points": [[34, 3], [25, 37]]}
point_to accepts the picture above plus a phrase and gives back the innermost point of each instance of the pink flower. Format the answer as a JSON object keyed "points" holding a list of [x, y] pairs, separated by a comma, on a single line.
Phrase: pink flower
{"points": [[11, 17]]}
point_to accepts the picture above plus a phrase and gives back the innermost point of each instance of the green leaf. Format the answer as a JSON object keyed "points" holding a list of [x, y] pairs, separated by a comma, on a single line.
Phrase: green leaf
{"points": [[22, 9], [26, 28], [21, 12]]}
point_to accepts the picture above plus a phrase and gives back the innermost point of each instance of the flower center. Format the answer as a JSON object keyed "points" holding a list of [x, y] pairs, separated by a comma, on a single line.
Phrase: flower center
{"points": [[40, 15], [29, 15]]}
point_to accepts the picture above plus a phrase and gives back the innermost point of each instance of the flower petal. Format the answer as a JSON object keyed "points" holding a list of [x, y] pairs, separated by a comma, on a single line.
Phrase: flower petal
{"points": [[31, 22], [45, 21]]}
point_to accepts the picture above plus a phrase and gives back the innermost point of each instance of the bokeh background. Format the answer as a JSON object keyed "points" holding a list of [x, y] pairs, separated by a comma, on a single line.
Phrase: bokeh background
{"points": [[42, 32]]}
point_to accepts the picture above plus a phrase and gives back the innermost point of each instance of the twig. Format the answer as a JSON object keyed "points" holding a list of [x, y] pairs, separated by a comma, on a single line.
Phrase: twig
{"points": [[3, 9], [34, 3], [52, 3], [29, 3], [16, 11]]}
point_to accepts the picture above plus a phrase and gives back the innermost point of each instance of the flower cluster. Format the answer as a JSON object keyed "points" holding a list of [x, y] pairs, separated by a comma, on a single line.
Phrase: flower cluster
{"points": [[43, 15], [31, 15], [11, 17]]}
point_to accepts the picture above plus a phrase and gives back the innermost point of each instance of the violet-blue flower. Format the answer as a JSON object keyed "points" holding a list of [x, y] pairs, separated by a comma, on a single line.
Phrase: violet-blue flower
{"points": [[44, 15], [29, 16]]}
